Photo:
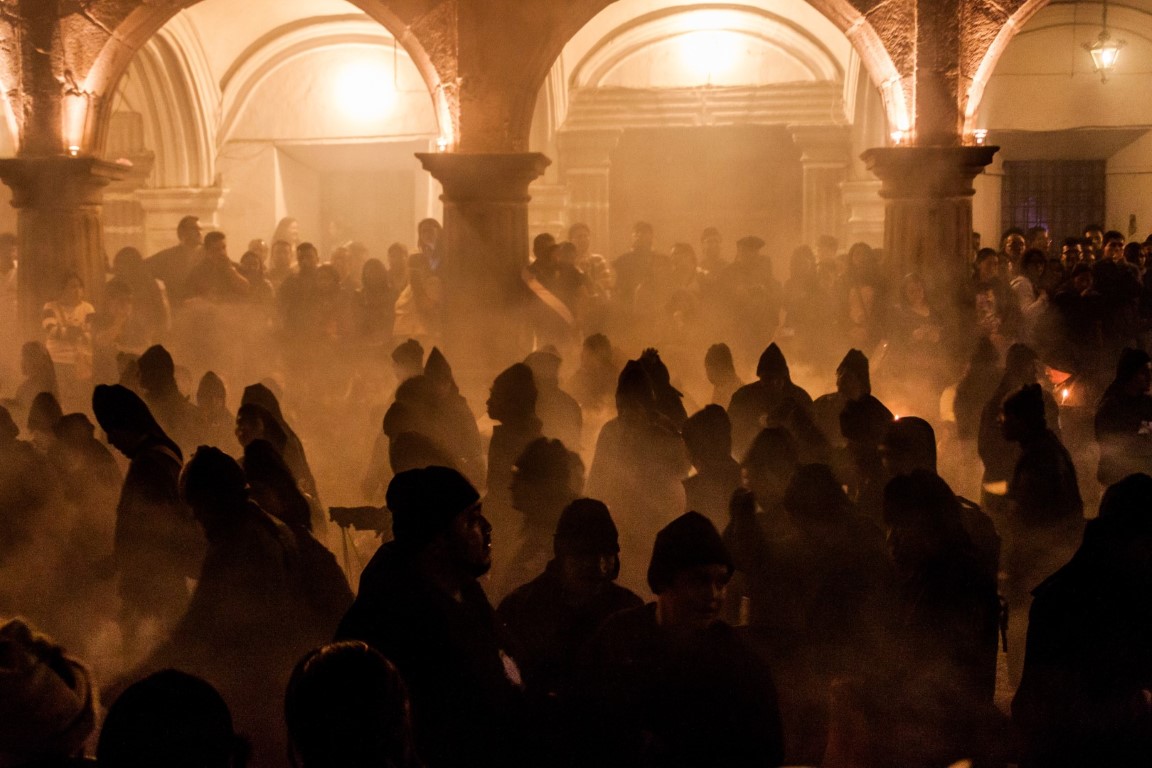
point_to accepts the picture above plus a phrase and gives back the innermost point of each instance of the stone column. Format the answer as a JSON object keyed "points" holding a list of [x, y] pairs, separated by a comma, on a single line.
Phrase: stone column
{"points": [[163, 209], [59, 227], [865, 211], [485, 250], [824, 155], [585, 164], [928, 211]]}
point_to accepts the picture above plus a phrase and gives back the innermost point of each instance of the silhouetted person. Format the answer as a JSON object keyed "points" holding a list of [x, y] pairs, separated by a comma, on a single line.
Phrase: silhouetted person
{"points": [[1084, 695], [47, 702], [594, 382], [772, 400], [511, 403], [998, 453], [291, 449], [669, 683], [1124, 420], [299, 296], [555, 614], [173, 719], [708, 438], [179, 418], [43, 416], [559, 412], [633, 267], [838, 581], [420, 605], [212, 401], [910, 445], [273, 487], [39, 374], [246, 621], [215, 277], [721, 373], [861, 421], [157, 544], [638, 465], [454, 426], [1045, 515], [544, 481], [668, 399], [748, 297], [941, 659], [346, 707], [975, 388], [172, 265]]}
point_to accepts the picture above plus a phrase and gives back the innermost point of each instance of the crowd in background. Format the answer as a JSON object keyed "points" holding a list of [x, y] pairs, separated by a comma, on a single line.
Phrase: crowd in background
{"points": [[714, 518]]}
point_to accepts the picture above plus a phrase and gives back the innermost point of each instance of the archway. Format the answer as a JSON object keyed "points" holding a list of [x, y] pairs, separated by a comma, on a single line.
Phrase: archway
{"points": [[316, 117], [765, 106], [1074, 150]]}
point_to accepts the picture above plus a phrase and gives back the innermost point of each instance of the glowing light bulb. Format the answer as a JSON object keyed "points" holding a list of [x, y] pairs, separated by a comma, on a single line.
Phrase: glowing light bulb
{"points": [[980, 135], [899, 138], [441, 144], [73, 150], [1064, 395]]}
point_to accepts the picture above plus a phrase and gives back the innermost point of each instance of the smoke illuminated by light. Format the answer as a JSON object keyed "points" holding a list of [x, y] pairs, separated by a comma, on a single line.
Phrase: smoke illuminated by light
{"points": [[365, 91], [709, 53]]}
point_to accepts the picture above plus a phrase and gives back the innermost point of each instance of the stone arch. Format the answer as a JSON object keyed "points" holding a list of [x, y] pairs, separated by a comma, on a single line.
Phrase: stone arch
{"points": [[171, 76], [281, 46], [1011, 26], [144, 21], [893, 79]]}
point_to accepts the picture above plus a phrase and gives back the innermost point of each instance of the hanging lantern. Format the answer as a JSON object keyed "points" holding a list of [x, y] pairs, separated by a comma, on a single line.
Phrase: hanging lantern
{"points": [[1105, 50]]}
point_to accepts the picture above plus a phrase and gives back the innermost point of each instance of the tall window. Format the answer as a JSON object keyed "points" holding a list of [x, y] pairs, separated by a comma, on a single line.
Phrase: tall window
{"points": [[1062, 195]]}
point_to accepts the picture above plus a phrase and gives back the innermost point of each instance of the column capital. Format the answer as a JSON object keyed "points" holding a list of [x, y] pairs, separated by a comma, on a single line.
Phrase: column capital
{"points": [[927, 172], [822, 144], [485, 178], [59, 182]]}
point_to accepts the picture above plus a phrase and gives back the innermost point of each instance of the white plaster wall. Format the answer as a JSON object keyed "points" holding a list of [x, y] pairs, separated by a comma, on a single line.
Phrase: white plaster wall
{"points": [[986, 204], [250, 208], [1129, 188]]}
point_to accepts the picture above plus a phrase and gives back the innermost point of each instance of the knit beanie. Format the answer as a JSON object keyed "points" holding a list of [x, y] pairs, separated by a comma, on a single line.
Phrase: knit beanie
{"points": [[423, 503], [46, 700], [586, 529], [689, 541]]}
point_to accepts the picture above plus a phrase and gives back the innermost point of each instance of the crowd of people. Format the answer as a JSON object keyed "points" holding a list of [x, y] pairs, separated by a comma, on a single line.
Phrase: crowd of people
{"points": [[688, 529]]}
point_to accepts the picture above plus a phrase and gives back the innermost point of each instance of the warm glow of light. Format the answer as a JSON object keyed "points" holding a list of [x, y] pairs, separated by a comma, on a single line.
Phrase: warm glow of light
{"points": [[899, 138], [709, 53], [365, 91], [980, 135], [1104, 52], [441, 144], [1064, 395], [74, 150]]}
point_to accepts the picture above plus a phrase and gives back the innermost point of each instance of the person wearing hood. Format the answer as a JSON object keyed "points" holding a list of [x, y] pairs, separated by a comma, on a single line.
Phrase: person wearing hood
{"points": [[773, 400], [454, 424], [670, 683], [512, 404], [246, 622], [1083, 698], [156, 543], [421, 605], [721, 372], [561, 415], [708, 438], [854, 418], [212, 402], [173, 412], [638, 467], [1045, 514], [291, 448], [1124, 420], [669, 400]]}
